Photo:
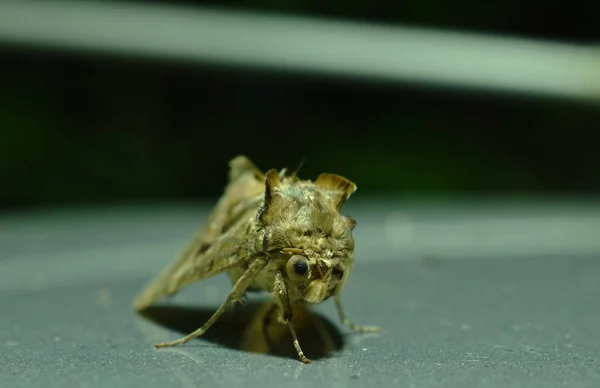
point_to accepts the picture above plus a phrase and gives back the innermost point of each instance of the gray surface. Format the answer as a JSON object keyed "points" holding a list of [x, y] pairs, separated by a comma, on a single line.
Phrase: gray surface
{"points": [[513, 320]]}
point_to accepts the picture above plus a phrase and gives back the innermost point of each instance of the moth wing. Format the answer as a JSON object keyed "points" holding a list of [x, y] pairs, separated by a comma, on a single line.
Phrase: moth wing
{"points": [[219, 245], [241, 165], [245, 183], [193, 265]]}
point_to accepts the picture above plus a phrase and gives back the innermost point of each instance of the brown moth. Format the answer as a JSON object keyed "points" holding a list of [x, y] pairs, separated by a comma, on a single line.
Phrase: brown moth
{"points": [[272, 232]]}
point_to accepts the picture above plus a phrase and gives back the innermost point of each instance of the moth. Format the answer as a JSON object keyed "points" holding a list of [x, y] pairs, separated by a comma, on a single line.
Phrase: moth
{"points": [[269, 232]]}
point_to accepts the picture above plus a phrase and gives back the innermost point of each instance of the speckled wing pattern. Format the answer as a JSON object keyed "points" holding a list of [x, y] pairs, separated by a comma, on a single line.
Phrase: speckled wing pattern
{"points": [[221, 244]]}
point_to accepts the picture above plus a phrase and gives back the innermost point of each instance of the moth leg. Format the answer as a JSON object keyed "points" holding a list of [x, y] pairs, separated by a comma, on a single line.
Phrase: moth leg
{"points": [[238, 305], [236, 292], [286, 313], [350, 324]]}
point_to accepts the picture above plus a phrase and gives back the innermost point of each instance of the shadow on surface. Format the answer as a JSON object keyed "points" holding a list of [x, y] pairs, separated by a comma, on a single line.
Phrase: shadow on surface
{"points": [[253, 328]]}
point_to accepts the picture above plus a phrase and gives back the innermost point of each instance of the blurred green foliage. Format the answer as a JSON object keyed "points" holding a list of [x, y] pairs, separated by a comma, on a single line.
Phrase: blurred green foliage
{"points": [[95, 129]]}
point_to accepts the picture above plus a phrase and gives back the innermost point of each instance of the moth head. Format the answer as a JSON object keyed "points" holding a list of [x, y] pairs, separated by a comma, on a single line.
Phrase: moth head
{"points": [[302, 219], [315, 278]]}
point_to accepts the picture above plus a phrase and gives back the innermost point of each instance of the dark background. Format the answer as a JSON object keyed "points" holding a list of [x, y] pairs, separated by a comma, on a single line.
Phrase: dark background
{"points": [[81, 129]]}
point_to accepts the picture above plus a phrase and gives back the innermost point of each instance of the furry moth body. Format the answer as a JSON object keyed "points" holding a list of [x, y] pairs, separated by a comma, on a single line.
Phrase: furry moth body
{"points": [[271, 232]]}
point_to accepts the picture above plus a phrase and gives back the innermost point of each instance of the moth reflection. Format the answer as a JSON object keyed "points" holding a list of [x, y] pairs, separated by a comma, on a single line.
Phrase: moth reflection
{"points": [[254, 328]]}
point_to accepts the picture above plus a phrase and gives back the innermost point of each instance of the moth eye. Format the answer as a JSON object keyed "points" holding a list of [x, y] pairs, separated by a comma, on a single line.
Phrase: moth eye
{"points": [[338, 273], [297, 267], [300, 267]]}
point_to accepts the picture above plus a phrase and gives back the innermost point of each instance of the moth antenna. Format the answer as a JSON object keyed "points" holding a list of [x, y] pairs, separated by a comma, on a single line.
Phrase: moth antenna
{"points": [[340, 188], [242, 164], [291, 173]]}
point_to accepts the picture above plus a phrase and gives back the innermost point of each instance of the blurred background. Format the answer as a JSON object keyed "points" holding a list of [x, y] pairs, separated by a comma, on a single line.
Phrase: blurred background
{"points": [[107, 125], [468, 126]]}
